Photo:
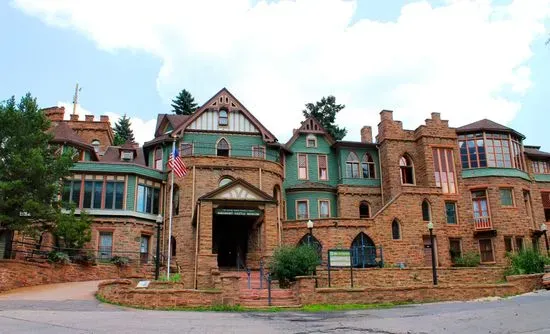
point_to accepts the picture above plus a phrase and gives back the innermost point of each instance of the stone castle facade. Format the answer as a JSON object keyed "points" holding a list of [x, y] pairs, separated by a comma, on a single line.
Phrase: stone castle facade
{"points": [[245, 193]]}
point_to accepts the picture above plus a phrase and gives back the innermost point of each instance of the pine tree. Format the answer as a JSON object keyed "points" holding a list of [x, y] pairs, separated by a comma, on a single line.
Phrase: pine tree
{"points": [[123, 131], [184, 103], [325, 112]]}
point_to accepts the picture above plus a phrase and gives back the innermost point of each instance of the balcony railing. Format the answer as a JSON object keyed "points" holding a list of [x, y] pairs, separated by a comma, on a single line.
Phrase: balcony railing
{"points": [[483, 223]]}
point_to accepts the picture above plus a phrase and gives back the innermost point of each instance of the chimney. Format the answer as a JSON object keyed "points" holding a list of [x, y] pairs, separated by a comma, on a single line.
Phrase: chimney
{"points": [[436, 116], [366, 134], [74, 117], [54, 114], [89, 118], [104, 118], [386, 115]]}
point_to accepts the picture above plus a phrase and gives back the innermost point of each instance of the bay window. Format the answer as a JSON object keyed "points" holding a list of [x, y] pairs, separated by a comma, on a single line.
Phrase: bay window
{"points": [[302, 209], [498, 150], [148, 199], [541, 167], [114, 195], [93, 191]]}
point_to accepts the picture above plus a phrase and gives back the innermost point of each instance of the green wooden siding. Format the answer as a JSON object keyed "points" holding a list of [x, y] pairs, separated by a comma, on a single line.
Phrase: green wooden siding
{"points": [[502, 172], [313, 197], [122, 168], [542, 177], [131, 193], [343, 155]]}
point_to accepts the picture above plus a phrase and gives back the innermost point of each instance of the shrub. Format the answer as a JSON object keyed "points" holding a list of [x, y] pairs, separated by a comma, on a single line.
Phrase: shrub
{"points": [[526, 261], [58, 257], [174, 278], [86, 259], [288, 262], [120, 261], [469, 259]]}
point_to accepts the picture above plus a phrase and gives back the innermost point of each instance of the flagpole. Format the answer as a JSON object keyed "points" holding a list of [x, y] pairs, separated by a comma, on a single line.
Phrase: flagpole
{"points": [[170, 220]]}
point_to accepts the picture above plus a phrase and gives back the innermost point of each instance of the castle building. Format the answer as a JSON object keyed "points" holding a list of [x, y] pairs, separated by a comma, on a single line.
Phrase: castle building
{"points": [[245, 193]]}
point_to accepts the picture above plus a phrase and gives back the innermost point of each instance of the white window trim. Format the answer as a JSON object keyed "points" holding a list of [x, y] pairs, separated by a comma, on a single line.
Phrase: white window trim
{"points": [[228, 144], [298, 165], [311, 137], [319, 169], [259, 146], [307, 204], [319, 207]]}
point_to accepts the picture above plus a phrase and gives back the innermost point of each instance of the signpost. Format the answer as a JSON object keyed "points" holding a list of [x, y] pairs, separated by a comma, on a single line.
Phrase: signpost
{"points": [[340, 258]]}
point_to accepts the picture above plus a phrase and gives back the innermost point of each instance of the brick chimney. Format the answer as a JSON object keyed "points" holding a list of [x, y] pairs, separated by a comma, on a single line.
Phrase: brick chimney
{"points": [[366, 134], [104, 118], [74, 117], [54, 114], [386, 115], [89, 118]]}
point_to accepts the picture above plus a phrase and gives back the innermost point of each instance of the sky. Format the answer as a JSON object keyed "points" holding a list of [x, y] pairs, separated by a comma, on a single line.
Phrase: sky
{"points": [[467, 60]]}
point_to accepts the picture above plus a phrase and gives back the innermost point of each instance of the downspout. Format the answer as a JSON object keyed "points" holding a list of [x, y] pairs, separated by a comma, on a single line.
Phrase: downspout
{"points": [[381, 175]]}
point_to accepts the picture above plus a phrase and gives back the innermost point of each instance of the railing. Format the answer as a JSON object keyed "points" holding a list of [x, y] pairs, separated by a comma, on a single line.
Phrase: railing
{"points": [[239, 151], [483, 223]]}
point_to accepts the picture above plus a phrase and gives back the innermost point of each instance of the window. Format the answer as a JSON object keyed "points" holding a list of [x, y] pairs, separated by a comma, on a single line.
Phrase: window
{"points": [[367, 167], [491, 150], [222, 148], [71, 192], [322, 165], [364, 210], [352, 166], [508, 247], [222, 118], [486, 250], [144, 248], [224, 181], [114, 195], [258, 152], [519, 244], [93, 191], [450, 212], [455, 248], [506, 197], [302, 210], [426, 211], [324, 208], [546, 205], [444, 170], [311, 241], [148, 199], [541, 167], [302, 166], [311, 140], [158, 158], [528, 205], [105, 248], [186, 149], [173, 245], [481, 209], [363, 252], [407, 170], [395, 230], [95, 144]]}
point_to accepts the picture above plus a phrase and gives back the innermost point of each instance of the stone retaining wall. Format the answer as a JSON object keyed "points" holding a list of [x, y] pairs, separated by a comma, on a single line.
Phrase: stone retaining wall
{"points": [[17, 274]]}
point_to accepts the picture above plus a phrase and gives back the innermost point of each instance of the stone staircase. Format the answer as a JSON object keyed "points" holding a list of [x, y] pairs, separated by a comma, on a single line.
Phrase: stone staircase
{"points": [[257, 297]]}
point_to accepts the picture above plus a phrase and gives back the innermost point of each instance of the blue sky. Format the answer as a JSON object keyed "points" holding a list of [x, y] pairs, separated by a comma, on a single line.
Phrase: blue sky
{"points": [[465, 59]]}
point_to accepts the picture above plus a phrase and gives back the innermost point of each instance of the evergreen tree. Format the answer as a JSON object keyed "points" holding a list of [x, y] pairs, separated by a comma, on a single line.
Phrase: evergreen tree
{"points": [[123, 131], [184, 103], [325, 112], [30, 169]]}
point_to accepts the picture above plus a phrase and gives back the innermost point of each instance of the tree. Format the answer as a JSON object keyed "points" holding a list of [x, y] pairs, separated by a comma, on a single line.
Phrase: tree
{"points": [[325, 112], [184, 103], [73, 231], [30, 169], [123, 131]]}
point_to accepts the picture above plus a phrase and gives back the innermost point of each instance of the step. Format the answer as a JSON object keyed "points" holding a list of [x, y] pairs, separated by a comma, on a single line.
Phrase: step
{"points": [[274, 303]]}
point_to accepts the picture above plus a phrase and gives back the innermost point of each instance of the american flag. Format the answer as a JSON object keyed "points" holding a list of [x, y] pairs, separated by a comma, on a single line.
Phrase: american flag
{"points": [[176, 163]]}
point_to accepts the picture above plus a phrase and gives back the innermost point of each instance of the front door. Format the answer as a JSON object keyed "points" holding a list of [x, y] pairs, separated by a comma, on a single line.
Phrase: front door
{"points": [[428, 251]]}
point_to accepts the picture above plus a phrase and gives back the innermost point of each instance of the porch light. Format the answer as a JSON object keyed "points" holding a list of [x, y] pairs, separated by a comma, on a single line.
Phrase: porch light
{"points": [[430, 226], [543, 227], [309, 224]]}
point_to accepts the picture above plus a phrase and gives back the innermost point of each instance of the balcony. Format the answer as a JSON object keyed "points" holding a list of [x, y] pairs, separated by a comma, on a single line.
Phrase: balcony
{"points": [[483, 223]]}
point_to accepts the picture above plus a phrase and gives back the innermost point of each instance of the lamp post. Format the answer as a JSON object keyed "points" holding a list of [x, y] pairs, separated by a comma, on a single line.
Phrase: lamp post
{"points": [[310, 228], [434, 269], [543, 228], [159, 221]]}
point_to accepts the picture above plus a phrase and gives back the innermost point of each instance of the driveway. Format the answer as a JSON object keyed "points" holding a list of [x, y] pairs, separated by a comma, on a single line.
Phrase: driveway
{"points": [[71, 308]]}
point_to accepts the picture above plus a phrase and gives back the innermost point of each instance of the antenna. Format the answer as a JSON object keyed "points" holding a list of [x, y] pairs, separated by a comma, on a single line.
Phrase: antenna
{"points": [[75, 99]]}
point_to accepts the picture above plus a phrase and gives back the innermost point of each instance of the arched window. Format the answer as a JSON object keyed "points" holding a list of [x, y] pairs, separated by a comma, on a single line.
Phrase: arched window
{"points": [[95, 144], [176, 201], [367, 166], [222, 117], [276, 193], [364, 209], [407, 170], [311, 241], [223, 148], [158, 158], [352, 166], [363, 251], [395, 230], [225, 180], [426, 211], [173, 246]]}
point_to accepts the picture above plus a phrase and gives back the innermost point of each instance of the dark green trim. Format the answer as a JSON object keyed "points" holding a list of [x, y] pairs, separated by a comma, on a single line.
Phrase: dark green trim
{"points": [[499, 172], [542, 177], [123, 168]]}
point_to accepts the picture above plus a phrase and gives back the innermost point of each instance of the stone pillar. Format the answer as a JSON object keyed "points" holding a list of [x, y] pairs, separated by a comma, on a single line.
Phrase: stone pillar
{"points": [[206, 261], [304, 288], [230, 289], [270, 229]]}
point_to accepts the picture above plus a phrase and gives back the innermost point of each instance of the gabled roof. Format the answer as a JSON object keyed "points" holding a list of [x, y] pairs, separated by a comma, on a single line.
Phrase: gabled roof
{"points": [[487, 125], [238, 190], [310, 125], [534, 152], [63, 134], [308, 185], [266, 134], [173, 119]]}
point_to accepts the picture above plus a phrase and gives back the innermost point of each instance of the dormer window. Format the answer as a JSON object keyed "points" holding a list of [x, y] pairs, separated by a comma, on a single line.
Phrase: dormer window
{"points": [[222, 117], [127, 155], [311, 141], [158, 158], [95, 144]]}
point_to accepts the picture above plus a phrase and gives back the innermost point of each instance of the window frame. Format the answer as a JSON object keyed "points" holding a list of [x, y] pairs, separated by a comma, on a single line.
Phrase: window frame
{"points": [[226, 117], [444, 169], [511, 190], [223, 139], [367, 205], [306, 168], [481, 250], [313, 138], [406, 168], [319, 169], [454, 204], [508, 153], [394, 223], [256, 149], [93, 198], [298, 201], [355, 165], [479, 200], [426, 210], [323, 200], [519, 246], [184, 147], [460, 251], [101, 250], [148, 188], [158, 159], [116, 184], [512, 246]]}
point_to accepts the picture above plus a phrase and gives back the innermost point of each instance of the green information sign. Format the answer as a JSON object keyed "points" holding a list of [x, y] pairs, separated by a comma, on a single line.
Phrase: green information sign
{"points": [[238, 212], [339, 258]]}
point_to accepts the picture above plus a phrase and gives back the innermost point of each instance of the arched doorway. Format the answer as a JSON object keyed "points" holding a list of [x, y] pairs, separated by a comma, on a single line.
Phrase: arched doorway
{"points": [[311, 241], [363, 251]]}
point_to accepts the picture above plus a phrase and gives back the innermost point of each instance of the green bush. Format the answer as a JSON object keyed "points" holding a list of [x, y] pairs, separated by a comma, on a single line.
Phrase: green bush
{"points": [[120, 261], [288, 262], [469, 259], [526, 261], [174, 278], [86, 259], [58, 257]]}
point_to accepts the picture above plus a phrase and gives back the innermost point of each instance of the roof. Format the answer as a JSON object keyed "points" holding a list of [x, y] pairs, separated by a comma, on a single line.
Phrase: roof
{"points": [[112, 154], [487, 125], [173, 119], [310, 125], [308, 185], [354, 144], [535, 152], [261, 194], [62, 133]]}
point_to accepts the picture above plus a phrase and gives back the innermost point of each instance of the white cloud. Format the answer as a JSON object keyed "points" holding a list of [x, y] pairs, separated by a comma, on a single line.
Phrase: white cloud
{"points": [[143, 129], [465, 59]]}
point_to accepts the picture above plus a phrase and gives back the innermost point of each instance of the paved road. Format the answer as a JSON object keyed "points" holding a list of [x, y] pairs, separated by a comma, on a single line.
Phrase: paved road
{"points": [[70, 308]]}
